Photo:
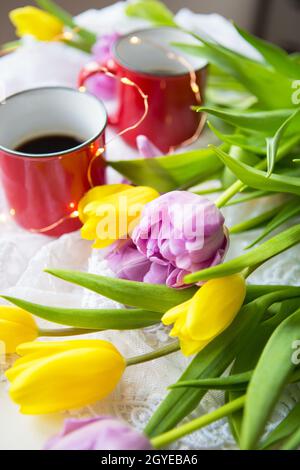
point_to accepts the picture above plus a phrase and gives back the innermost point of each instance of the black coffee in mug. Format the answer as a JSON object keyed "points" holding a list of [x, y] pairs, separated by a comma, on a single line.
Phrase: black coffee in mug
{"points": [[48, 144]]}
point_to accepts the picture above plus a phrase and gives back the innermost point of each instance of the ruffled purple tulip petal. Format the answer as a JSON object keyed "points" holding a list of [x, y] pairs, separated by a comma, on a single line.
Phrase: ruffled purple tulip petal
{"points": [[100, 433], [179, 233], [127, 262], [101, 85]]}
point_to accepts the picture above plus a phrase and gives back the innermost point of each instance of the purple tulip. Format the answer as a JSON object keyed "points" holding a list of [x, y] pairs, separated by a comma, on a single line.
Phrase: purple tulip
{"points": [[101, 85], [100, 433], [179, 233]]}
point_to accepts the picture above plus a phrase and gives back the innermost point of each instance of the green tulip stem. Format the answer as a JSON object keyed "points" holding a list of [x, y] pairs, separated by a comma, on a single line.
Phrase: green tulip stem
{"points": [[168, 437], [171, 348], [58, 332], [228, 194]]}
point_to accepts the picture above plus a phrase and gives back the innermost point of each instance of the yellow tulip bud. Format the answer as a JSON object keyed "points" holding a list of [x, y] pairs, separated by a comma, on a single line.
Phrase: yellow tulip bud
{"points": [[56, 376], [35, 22], [16, 327], [211, 310], [111, 212], [97, 194]]}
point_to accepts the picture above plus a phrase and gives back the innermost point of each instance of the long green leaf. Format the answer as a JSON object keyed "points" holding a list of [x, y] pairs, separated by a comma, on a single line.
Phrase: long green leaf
{"points": [[228, 177], [255, 221], [271, 88], [231, 382], [234, 382], [259, 179], [255, 143], [170, 172], [249, 356], [273, 142], [154, 297], [151, 10], [293, 442], [272, 372], [112, 319], [211, 362], [67, 19], [272, 54], [256, 256], [287, 427], [263, 122], [289, 210], [254, 291], [248, 197]]}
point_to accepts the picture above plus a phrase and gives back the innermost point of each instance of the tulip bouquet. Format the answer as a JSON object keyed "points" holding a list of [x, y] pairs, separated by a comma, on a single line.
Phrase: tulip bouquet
{"points": [[167, 249]]}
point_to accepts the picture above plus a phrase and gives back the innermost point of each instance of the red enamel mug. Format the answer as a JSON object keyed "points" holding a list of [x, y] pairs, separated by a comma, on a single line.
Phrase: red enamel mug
{"points": [[43, 190], [172, 81]]}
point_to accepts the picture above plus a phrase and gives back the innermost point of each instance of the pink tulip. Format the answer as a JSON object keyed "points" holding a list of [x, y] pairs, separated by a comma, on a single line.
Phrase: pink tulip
{"points": [[99, 433], [179, 233], [103, 86]]}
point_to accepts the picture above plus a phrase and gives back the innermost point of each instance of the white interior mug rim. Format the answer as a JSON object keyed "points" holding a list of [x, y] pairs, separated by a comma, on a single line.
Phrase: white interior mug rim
{"points": [[126, 64], [67, 152]]}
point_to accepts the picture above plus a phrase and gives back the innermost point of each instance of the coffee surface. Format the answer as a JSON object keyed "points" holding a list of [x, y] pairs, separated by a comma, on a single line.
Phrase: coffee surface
{"points": [[48, 144]]}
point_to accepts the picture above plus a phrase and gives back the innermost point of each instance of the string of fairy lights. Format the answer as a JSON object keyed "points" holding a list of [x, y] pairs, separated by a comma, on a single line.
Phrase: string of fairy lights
{"points": [[93, 68]]}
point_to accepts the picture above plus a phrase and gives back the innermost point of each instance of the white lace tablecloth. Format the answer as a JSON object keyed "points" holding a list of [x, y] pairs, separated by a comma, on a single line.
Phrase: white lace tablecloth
{"points": [[23, 256]]}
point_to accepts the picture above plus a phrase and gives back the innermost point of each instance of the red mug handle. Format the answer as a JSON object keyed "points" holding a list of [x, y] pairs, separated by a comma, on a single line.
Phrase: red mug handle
{"points": [[94, 68]]}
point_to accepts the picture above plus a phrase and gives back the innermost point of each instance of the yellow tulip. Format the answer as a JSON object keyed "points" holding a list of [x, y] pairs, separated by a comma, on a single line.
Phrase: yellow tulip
{"points": [[56, 376], [16, 327], [110, 212], [35, 22], [210, 311]]}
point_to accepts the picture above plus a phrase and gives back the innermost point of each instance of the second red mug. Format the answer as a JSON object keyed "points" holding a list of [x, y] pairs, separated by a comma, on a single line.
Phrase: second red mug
{"points": [[172, 81]]}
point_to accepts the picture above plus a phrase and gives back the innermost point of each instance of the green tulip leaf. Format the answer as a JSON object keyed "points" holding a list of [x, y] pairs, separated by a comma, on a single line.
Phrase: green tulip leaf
{"points": [[268, 381], [232, 382], [254, 257], [154, 297], [67, 19], [170, 172], [255, 222], [273, 55], [273, 142], [255, 143], [248, 357], [102, 319], [288, 211], [151, 10], [286, 428], [259, 179], [262, 122], [271, 88], [293, 442], [248, 197], [211, 362]]}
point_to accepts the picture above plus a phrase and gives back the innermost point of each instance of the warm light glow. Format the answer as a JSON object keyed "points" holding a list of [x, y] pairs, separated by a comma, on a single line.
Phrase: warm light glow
{"points": [[195, 87], [12, 212], [74, 215], [82, 89], [126, 81], [68, 35], [135, 40], [72, 205]]}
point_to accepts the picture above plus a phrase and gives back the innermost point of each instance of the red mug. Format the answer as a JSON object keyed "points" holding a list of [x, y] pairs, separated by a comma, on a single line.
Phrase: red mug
{"points": [[43, 190], [172, 81]]}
